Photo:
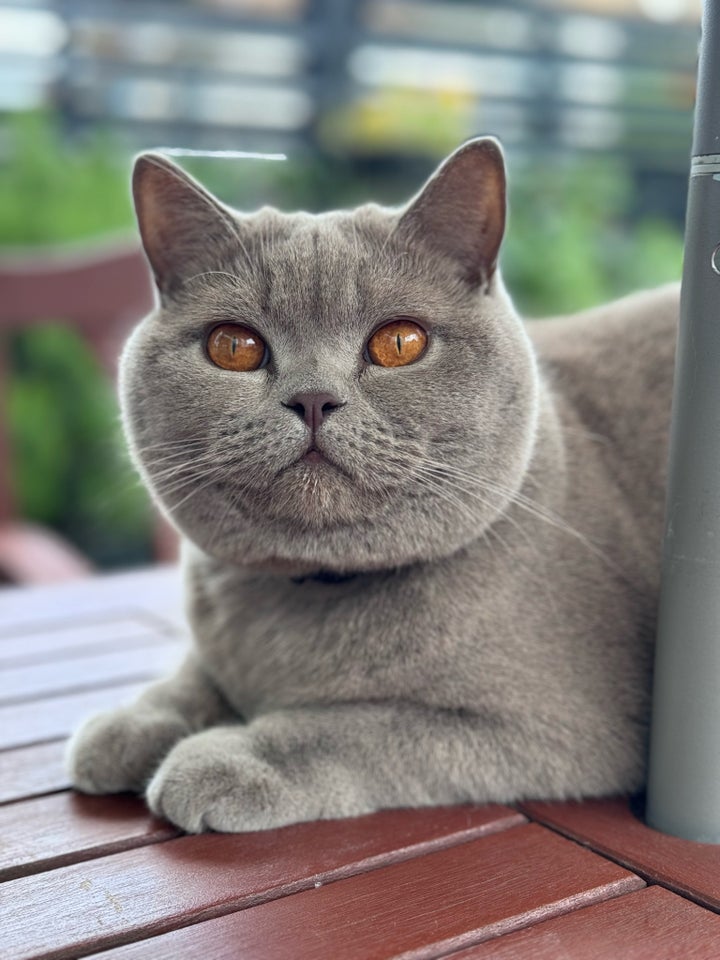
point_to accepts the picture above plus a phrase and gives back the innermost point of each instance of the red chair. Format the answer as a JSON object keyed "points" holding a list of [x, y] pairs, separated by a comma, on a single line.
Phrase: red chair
{"points": [[100, 292]]}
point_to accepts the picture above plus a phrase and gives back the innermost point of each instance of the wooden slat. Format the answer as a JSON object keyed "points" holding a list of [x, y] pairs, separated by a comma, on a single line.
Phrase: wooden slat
{"points": [[82, 673], [50, 832], [89, 906], [26, 723], [84, 638], [157, 590], [610, 827], [651, 924], [30, 771], [417, 909]]}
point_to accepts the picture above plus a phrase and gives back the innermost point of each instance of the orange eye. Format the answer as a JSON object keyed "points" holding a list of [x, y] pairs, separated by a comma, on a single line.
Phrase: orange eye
{"points": [[235, 347], [397, 343]]}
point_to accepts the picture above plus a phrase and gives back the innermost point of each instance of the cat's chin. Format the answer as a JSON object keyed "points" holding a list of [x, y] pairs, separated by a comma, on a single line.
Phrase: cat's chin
{"points": [[315, 518], [369, 542], [314, 493]]}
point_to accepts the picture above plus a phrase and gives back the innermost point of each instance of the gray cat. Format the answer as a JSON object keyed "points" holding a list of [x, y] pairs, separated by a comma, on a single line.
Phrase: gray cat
{"points": [[421, 540]]}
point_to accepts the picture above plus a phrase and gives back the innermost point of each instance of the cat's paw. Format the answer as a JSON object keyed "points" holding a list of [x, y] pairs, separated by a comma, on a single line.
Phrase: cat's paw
{"points": [[120, 750], [214, 781]]}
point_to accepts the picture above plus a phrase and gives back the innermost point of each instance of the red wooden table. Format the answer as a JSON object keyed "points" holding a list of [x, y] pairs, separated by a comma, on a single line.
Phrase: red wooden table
{"points": [[83, 876]]}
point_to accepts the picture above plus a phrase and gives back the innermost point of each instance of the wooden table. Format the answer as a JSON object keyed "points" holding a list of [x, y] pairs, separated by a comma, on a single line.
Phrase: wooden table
{"points": [[85, 876]]}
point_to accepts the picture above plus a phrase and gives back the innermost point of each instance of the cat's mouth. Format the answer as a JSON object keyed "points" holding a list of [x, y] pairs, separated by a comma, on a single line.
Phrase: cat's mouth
{"points": [[315, 455], [316, 458]]}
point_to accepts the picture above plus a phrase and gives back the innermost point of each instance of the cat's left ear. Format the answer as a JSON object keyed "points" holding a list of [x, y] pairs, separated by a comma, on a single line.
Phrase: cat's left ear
{"points": [[460, 212], [180, 222]]}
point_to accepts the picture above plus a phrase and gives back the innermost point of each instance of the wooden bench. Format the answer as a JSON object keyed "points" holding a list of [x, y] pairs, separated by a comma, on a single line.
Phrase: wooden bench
{"points": [[82, 875]]}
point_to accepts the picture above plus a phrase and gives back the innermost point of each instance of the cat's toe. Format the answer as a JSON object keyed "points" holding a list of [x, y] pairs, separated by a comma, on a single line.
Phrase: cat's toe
{"points": [[118, 751], [200, 787]]}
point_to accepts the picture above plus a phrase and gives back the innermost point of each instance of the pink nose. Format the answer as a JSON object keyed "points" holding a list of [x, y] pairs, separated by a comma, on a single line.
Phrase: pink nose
{"points": [[313, 408]]}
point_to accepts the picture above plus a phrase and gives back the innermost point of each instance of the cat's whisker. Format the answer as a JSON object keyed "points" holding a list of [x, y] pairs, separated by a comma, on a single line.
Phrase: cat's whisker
{"points": [[178, 461], [182, 476], [433, 482], [491, 530], [443, 493], [476, 495], [177, 478], [541, 511], [587, 434], [531, 506], [534, 509], [188, 468], [165, 492], [180, 450], [503, 517], [237, 280], [173, 458], [210, 479], [449, 497], [170, 445], [166, 467]]}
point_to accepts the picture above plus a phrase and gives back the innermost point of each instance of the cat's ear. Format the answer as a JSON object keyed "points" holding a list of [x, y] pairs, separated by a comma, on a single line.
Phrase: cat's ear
{"points": [[179, 220], [460, 212]]}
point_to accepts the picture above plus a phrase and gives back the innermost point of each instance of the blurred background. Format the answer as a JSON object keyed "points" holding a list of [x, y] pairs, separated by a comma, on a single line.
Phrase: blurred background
{"points": [[591, 98]]}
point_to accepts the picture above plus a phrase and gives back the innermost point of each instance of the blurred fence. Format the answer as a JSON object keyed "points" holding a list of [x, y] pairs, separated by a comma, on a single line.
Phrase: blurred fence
{"points": [[360, 74]]}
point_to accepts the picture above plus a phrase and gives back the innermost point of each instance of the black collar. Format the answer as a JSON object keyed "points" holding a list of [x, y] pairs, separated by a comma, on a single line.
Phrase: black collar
{"points": [[325, 576]]}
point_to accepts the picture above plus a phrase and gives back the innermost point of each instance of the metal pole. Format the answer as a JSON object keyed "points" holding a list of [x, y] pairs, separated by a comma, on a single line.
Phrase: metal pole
{"points": [[684, 772]]}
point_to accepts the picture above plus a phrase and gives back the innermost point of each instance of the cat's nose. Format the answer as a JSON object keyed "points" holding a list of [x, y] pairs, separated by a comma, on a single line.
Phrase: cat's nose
{"points": [[313, 408]]}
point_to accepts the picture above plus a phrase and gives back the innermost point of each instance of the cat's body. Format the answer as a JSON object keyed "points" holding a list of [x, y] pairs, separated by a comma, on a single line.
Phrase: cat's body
{"points": [[461, 605]]}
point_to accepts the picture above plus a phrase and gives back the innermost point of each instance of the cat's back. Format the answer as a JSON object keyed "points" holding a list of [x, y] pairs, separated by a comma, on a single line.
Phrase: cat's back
{"points": [[611, 371], [597, 341], [614, 363]]}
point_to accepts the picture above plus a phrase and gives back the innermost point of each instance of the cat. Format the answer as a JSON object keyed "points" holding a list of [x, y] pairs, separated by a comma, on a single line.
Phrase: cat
{"points": [[421, 538]]}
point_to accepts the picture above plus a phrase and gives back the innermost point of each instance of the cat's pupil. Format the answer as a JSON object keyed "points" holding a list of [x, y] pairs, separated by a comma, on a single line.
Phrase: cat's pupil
{"points": [[398, 341], [233, 345]]}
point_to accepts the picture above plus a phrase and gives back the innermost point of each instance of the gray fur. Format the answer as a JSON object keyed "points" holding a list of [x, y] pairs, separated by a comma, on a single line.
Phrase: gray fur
{"points": [[496, 512]]}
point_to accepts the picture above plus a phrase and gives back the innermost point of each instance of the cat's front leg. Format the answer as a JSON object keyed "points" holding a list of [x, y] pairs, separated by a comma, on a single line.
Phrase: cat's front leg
{"points": [[119, 750], [324, 763]]}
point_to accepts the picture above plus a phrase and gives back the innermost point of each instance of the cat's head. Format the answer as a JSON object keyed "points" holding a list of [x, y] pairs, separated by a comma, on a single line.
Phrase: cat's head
{"points": [[349, 391]]}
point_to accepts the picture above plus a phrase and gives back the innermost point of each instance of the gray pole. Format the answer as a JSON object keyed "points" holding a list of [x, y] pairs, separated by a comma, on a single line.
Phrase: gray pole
{"points": [[684, 774]]}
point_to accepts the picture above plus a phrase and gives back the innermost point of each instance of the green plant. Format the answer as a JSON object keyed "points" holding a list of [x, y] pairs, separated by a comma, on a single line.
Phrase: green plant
{"points": [[71, 471], [53, 191], [570, 244]]}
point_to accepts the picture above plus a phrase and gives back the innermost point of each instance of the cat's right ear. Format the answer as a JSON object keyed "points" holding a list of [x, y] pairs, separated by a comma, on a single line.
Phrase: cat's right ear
{"points": [[178, 220], [460, 212]]}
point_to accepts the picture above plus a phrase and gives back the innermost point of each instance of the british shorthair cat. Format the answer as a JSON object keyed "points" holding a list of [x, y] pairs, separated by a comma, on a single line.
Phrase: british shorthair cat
{"points": [[421, 538]]}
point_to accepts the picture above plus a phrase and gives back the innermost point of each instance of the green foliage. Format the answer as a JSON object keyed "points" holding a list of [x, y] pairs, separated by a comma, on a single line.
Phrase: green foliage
{"points": [[71, 472], [569, 244], [52, 191]]}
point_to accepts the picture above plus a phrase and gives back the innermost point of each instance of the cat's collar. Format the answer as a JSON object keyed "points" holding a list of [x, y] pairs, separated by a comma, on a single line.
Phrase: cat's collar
{"points": [[325, 576]]}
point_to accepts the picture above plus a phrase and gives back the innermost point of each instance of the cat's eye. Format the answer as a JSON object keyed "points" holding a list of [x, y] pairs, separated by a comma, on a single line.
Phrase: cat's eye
{"points": [[397, 343], [233, 346]]}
